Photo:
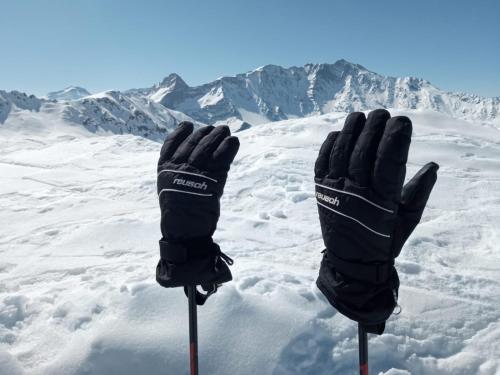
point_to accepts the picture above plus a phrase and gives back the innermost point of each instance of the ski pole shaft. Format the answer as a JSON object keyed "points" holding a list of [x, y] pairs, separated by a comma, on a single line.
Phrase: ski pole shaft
{"points": [[193, 331], [363, 350]]}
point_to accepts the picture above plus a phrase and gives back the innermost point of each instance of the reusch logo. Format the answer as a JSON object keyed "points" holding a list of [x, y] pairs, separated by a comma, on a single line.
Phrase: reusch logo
{"points": [[192, 184], [334, 201]]}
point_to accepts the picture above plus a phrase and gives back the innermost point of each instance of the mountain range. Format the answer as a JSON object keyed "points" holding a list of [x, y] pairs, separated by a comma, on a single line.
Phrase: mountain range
{"points": [[266, 94], [272, 93]]}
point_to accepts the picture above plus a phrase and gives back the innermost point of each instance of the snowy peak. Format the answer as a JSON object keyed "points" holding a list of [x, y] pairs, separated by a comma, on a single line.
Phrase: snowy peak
{"points": [[339, 68], [68, 94], [173, 81]]}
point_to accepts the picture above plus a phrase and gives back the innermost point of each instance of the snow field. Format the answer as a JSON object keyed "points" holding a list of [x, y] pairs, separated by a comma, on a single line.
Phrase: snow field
{"points": [[78, 244]]}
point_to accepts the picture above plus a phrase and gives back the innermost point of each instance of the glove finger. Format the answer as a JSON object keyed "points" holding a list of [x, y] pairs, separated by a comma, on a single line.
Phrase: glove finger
{"points": [[365, 151], [341, 153], [323, 160], [226, 152], [185, 149], [417, 191], [202, 153], [174, 139], [392, 154]]}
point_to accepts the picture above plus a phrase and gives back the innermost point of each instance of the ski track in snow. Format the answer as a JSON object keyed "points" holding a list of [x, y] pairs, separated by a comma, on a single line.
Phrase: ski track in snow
{"points": [[78, 245]]}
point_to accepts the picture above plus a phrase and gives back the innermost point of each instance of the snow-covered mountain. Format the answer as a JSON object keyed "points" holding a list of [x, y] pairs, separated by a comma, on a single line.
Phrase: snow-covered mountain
{"points": [[109, 111], [272, 93], [69, 93]]}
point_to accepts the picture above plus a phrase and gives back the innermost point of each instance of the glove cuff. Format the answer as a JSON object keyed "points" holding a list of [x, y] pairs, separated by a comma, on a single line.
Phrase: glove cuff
{"points": [[196, 261], [370, 304]]}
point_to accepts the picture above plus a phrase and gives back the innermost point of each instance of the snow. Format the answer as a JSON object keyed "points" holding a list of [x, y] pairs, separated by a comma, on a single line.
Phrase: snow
{"points": [[79, 231]]}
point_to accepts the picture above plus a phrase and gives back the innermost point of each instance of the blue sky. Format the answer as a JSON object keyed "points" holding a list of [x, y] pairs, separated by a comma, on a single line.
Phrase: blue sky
{"points": [[102, 44]]}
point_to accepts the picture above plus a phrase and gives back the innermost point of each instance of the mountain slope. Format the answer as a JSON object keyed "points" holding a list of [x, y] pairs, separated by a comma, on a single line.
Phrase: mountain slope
{"points": [[272, 93], [17, 101]]}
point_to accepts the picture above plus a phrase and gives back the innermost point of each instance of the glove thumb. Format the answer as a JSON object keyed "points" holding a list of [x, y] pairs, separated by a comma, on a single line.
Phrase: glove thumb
{"points": [[413, 201]]}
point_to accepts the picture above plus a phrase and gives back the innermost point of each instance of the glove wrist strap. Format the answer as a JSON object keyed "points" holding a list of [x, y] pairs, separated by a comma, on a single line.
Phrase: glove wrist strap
{"points": [[375, 273], [182, 252]]}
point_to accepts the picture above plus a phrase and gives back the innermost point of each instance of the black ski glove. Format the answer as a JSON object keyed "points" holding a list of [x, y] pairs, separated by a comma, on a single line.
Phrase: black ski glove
{"points": [[192, 172], [366, 214]]}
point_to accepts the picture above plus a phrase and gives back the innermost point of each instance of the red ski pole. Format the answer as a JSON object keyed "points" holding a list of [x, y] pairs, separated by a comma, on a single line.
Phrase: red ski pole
{"points": [[363, 350]]}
